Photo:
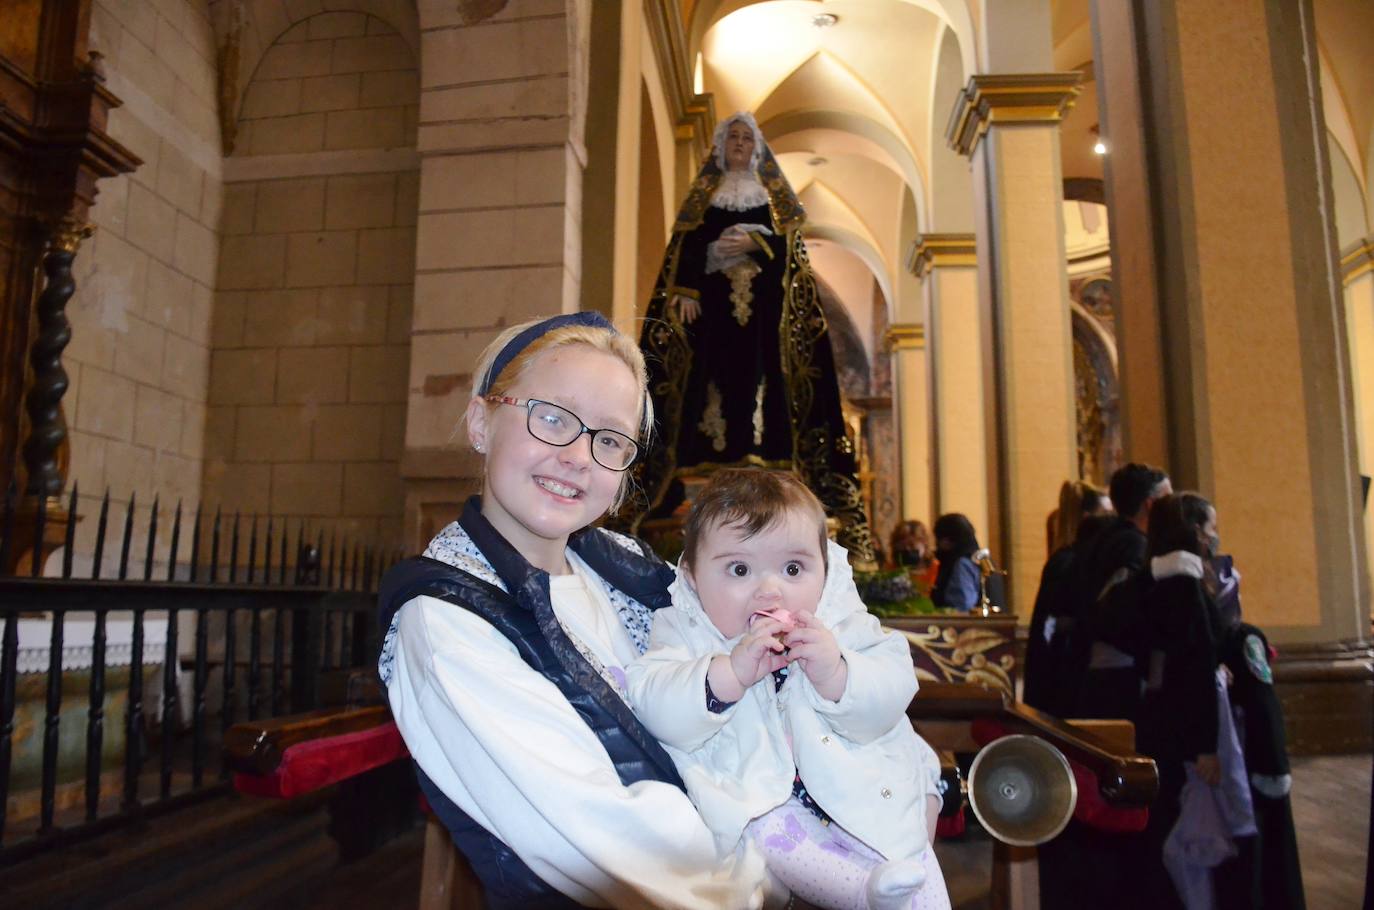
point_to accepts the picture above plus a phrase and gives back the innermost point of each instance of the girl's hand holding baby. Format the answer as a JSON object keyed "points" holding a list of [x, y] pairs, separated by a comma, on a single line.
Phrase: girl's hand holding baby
{"points": [[813, 647], [758, 654]]}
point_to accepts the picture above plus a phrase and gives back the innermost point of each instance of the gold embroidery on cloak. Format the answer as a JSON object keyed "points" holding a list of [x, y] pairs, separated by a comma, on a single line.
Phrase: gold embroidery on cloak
{"points": [[742, 289], [712, 420], [758, 413]]}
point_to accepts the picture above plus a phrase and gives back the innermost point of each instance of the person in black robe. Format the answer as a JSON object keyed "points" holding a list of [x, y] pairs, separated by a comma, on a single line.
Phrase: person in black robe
{"points": [[1083, 513], [1045, 683], [740, 365], [1100, 667], [1268, 871]]}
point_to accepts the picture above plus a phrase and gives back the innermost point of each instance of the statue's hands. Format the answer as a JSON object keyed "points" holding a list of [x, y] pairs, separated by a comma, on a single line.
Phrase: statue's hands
{"points": [[688, 309], [734, 242]]}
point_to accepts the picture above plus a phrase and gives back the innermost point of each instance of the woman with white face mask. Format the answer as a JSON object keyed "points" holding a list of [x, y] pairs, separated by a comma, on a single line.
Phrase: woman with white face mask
{"points": [[740, 363], [505, 645]]}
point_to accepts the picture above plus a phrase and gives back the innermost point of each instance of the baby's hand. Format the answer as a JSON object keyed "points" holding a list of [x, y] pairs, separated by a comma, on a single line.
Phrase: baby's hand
{"points": [[758, 653], [811, 646]]}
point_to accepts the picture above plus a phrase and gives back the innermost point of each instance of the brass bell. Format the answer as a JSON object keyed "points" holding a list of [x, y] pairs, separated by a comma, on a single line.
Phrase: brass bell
{"points": [[1022, 790]]}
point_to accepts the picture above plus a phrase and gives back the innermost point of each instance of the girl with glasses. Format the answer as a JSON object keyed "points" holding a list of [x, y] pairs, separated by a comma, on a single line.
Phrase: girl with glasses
{"points": [[505, 646]]}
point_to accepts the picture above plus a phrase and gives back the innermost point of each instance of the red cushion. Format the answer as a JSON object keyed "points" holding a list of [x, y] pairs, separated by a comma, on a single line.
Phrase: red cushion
{"points": [[1093, 810], [950, 825], [318, 763]]}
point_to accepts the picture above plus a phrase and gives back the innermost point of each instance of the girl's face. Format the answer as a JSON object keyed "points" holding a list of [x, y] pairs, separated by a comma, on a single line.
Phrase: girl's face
{"points": [[739, 146], [780, 566], [1211, 540], [534, 493]]}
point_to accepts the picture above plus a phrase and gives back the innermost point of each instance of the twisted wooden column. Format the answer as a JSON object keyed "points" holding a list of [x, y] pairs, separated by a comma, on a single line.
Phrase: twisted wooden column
{"points": [[44, 399]]}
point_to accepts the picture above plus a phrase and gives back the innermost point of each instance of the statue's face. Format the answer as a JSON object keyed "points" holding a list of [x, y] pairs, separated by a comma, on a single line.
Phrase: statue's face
{"points": [[739, 146]]}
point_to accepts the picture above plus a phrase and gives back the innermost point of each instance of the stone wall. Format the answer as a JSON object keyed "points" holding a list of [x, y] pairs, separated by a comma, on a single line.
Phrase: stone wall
{"points": [[311, 335], [139, 355], [502, 109]]}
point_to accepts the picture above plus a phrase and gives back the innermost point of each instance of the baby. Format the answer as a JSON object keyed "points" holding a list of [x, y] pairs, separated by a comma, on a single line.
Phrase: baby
{"points": [[783, 703]]}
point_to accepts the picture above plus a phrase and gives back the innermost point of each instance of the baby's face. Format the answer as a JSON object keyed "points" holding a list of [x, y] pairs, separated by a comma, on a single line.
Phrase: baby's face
{"points": [[778, 568]]}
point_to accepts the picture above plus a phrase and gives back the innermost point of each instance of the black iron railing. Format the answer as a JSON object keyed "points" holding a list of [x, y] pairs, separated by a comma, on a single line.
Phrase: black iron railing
{"points": [[306, 611]]}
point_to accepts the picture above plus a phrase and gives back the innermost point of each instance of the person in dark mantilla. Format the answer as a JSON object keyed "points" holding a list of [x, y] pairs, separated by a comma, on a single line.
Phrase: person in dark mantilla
{"points": [[740, 364]]}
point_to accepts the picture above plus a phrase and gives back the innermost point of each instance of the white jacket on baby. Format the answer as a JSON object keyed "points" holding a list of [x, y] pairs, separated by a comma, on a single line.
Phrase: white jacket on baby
{"points": [[859, 757]]}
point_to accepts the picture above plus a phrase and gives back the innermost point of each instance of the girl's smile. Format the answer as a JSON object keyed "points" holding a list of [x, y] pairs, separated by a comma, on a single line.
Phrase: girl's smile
{"points": [[536, 493]]}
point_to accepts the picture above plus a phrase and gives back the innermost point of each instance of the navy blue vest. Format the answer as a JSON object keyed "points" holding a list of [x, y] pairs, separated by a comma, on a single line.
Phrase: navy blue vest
{"points": [[525, 616]]}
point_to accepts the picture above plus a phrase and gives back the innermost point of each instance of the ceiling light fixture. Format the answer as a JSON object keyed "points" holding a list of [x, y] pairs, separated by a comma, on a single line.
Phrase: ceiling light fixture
{"points": [[824, 20], [1100, 147]]}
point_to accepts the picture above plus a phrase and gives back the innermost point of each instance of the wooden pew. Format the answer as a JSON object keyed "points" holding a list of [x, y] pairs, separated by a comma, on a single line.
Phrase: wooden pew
{"points": [[359, 750], [1115, 785], [286, 756], [957, 716]]}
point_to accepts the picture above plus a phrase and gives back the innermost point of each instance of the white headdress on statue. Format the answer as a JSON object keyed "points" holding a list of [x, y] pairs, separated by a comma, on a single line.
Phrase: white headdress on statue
{"points": [[719, 140], [739, 191]]}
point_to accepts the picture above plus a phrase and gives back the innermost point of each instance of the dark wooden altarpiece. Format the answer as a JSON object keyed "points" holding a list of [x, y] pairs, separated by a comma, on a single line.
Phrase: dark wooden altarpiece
{"points": [[53, 148]]}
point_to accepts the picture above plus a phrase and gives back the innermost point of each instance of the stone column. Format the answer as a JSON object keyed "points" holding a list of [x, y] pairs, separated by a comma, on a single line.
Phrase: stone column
{"points": [[1226, 173], [1357, 276], [907, 344], [947, 268], [499, 230], [1009, 127], [946, 264]]}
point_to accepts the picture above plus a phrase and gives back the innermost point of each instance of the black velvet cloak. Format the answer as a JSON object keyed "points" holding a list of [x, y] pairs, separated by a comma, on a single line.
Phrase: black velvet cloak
{"points": [[752, 380]]}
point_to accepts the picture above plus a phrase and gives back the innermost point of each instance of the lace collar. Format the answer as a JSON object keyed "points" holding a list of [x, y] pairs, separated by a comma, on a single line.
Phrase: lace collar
{"points": [[739, 191]]}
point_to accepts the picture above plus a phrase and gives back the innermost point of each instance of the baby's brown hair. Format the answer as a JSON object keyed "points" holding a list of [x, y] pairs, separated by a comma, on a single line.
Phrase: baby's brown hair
{"points": [[752, 499]]}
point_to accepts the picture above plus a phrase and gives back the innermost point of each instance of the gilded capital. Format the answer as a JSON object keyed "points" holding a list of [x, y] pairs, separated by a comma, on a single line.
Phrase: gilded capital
{"points": [[932, 251], [67, 234], [1009, 98], [1357, 259], [905, 336]]}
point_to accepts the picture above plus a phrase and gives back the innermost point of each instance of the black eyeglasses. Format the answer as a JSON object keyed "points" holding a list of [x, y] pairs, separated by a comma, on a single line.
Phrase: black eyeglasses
{"points": [[547, 422]]}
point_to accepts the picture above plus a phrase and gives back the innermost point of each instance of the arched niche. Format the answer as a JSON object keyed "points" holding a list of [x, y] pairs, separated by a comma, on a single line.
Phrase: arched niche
{"points": [[245, 31], [1097, 387]]}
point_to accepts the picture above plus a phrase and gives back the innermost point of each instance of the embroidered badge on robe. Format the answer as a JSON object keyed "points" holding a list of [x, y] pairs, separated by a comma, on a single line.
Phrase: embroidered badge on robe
{"points": [[1257, 660]]}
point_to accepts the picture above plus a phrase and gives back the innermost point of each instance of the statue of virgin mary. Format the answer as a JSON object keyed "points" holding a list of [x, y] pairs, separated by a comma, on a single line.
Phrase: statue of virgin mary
{"points": [[740, 366]]}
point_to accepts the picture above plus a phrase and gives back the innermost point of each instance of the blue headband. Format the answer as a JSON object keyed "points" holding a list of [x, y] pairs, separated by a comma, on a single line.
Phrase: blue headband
{"points": [[591, 319]]}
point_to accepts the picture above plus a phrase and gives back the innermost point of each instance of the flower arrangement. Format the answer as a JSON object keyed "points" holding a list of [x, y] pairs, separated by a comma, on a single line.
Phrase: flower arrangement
{"points": [[892, 593]]}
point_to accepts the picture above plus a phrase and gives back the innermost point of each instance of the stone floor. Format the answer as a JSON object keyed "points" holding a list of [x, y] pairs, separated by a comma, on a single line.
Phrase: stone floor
{"points": [[1331, 804], [1331, 813]]}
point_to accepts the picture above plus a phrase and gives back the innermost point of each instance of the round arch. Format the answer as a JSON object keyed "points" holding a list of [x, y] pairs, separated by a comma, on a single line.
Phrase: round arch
{"points": [[859, 247], [264, 21]]}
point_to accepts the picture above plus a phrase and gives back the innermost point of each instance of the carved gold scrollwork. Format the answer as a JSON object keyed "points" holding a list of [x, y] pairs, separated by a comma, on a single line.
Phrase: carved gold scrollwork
{"points": [[982, 656], [66, 235]]}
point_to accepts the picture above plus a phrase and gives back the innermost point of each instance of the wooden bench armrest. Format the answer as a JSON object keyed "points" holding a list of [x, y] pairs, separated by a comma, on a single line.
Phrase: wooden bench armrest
{"points": [[1125, 778], [256, 747]]}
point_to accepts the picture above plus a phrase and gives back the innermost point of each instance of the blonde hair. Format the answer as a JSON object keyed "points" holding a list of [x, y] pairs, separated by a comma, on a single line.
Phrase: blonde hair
{"points": [[1077, 500], [605, 340]]}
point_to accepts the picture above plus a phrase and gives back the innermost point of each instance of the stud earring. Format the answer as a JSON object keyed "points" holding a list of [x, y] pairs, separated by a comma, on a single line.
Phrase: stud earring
{"points": [[479, 448]]}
